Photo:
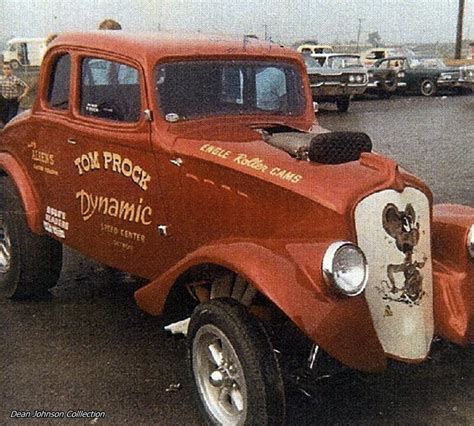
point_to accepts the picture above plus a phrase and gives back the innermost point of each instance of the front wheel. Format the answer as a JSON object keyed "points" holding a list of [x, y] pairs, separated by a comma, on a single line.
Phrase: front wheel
{"points": [[427, 87], [30, 264], [237, 376], [385, 95], [342, 104]]}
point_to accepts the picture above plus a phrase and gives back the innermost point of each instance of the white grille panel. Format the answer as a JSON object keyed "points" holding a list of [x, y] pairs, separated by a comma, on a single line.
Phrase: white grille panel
{"points": [[393, 230]]}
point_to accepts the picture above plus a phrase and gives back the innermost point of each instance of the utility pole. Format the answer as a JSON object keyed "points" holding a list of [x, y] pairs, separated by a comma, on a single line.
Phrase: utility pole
{"points": [[266, 31], [457, 51], [358, 33]]}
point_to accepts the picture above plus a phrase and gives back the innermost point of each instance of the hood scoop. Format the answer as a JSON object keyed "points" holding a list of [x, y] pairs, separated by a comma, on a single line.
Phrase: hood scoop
{"points": [[324, 148]]}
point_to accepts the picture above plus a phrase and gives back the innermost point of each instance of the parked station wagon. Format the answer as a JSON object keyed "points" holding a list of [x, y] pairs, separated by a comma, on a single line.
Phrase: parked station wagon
{"points": [[197, 163]]}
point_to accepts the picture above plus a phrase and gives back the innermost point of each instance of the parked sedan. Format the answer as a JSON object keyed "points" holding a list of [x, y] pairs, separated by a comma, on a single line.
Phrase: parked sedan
{"points": [[423, 75], [336, 78]]}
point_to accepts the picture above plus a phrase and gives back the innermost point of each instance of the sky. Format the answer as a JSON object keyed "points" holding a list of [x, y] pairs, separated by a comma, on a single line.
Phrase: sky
{"points": [[397, 21]]}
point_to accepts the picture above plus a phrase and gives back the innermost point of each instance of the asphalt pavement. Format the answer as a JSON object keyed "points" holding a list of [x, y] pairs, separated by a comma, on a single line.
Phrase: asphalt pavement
{"points": [[90, 351]]}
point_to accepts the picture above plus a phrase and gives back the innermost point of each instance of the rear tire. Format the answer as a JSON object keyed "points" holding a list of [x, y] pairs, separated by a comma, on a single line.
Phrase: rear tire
{"points": [[427, 88], [236, 373], [30, 264]]}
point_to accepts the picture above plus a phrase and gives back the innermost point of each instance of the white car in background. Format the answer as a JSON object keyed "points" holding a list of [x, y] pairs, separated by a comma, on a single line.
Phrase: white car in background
{"points": [[25, 51]]}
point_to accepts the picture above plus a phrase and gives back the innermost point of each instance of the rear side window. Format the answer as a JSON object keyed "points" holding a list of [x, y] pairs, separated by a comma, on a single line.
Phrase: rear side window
{"points": [[110, 90], [59, 83]]}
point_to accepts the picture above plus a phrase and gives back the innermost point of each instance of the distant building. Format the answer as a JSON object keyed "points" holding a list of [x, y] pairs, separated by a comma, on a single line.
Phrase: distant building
{"points": [[471, 45]]}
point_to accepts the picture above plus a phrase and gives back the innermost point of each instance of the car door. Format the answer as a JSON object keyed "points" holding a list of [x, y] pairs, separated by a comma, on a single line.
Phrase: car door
{"points": [[109, 193]]}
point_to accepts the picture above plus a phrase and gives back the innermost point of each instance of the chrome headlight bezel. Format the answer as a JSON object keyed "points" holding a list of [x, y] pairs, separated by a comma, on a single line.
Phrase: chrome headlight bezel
{"points": [[330, 273], [470, 242]]}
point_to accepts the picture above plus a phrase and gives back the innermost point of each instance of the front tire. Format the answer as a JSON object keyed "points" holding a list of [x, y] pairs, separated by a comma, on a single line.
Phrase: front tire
{"points": [[30, 264], [427, 88], [389, 84], [237, 376], [342, 104]]}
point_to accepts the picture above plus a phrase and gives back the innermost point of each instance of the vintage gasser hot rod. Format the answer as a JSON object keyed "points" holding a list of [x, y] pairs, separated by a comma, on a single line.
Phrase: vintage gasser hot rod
{"points": [[197, 163]]}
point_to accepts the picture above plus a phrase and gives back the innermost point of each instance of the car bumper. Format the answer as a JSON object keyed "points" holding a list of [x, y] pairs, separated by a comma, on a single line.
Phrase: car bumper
{"points": [[377, 85], [448, 84], [334, 90], [467, 84]]}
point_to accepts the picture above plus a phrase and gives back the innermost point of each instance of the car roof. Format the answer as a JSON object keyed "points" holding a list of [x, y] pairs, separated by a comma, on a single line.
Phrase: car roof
{"points": [[311, 45], [354, 55], [394, 58], [156, 45]]}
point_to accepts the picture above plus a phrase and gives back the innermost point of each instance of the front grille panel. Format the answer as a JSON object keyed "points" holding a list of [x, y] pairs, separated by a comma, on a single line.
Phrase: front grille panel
{"points": [[335, 79], [393, 230]]}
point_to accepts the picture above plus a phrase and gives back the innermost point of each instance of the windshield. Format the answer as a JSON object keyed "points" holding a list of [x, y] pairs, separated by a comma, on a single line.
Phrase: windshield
{"points": [[204, 88], [344, 62], [427, 63]]}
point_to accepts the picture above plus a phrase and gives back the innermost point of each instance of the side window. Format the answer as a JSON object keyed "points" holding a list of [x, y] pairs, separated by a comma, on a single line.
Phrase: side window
{"points": [[59, 83], [127, 75], [379, 54], [110, 90], [232, 85]]}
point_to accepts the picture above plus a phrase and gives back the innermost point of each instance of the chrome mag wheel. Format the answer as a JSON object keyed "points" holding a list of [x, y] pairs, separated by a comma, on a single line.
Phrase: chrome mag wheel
{"points": [[219, 376], [5, 247]]}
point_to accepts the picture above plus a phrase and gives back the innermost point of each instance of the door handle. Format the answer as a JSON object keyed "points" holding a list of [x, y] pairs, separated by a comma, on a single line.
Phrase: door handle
{"points": [[177, 161], [72, 141]]}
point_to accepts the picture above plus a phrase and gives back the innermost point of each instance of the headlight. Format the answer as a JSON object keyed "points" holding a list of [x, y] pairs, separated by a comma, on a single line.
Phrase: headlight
{"points": [[470, 242], [345, 268], [351, 78], [359, 78], [401, 74]]}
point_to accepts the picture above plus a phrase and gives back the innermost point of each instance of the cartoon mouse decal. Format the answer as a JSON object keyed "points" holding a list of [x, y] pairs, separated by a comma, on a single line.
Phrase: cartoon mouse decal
{"points": [[402, 226]]}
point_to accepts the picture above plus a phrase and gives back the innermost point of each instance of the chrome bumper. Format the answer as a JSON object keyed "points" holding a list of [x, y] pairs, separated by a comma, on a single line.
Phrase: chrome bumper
{"points": [[337, 89]]}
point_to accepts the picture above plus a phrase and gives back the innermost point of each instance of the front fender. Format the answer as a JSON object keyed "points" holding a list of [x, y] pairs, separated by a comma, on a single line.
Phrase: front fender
{"points": [[453, 273], [289, 274], [28, 194]]}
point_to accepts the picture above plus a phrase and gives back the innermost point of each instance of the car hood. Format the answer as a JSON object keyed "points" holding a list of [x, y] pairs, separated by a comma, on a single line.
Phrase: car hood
{"points": [[337, 71], [436, 70], [335, 186]]}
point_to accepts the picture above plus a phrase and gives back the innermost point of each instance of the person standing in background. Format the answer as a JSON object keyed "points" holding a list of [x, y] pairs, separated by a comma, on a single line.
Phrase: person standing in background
{"points": [[109, 24], [12, 91]]}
